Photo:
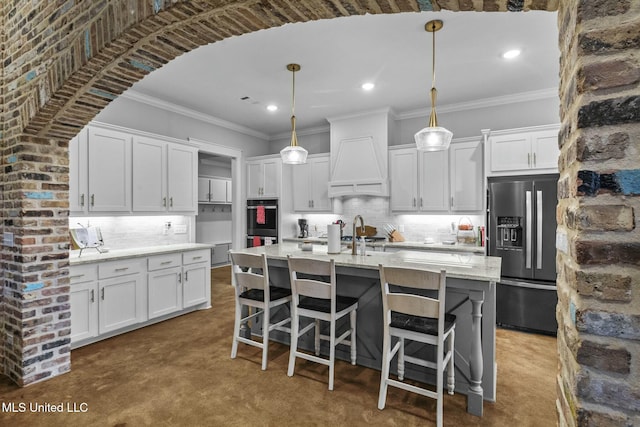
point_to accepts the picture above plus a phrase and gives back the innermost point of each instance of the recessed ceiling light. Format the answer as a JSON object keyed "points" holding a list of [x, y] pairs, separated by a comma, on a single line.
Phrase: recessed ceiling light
{"points": [[510, 54], [272, 107], [368, 86]]}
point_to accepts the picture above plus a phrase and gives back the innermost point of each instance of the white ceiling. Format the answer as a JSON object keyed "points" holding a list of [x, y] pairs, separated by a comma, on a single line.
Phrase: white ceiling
{"points": [[338, 55]]}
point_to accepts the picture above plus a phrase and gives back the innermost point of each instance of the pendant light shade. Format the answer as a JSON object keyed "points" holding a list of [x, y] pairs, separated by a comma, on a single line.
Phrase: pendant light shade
{"points": [[293, 154], [433, 137]]}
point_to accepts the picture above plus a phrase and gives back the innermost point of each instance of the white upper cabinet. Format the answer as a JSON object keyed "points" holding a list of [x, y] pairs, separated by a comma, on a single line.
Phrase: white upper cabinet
{"points": [[214, 190], [182, 175], [78, 174], [164, 176], [263, 178], [466, 177], [109, 170], [310, 185], [437, 181], [523, 151]]}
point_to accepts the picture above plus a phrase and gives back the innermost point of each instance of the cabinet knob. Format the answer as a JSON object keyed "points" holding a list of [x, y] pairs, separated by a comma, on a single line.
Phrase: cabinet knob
{"points": [[534, 160], [170, 202], [92, 295], [164, 202], [82, 200], [93, 199], [529, 159]]}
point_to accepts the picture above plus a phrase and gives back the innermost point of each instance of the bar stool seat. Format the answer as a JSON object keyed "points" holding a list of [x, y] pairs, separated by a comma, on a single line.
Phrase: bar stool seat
{"points": [[252, 290], [423, 325]]}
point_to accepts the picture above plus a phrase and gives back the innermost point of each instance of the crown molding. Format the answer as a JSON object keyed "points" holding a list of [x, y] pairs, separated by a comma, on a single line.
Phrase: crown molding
{"points": [[304, 132], [188, 112], [483, 103]]}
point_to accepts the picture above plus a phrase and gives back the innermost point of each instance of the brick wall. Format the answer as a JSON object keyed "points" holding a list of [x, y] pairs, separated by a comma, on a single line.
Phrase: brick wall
{"points": [[63, 61], [599, 241]]}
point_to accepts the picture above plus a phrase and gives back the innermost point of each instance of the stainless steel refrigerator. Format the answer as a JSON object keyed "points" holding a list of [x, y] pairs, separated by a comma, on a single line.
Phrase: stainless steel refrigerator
{"points": [[522, 230]]}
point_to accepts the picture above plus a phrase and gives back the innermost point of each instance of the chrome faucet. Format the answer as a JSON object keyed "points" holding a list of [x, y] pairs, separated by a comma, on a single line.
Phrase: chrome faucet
{"points": [[353, 235]]}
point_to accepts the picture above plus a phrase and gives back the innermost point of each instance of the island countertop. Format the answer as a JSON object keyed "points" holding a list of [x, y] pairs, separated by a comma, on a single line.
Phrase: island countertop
{"points": [[90, 255], [461, 266], [384, 245]]}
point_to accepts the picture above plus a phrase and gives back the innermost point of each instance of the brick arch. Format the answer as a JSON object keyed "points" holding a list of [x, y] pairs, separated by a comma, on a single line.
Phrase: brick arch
{"points": [[63, 62]]}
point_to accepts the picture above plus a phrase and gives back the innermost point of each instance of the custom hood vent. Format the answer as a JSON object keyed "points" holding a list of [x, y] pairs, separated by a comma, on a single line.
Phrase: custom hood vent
{"points": [[359, 154]]}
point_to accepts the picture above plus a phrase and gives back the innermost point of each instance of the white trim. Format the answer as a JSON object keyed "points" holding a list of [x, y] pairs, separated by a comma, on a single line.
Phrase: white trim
{"points": [[188, 112], [304, 132], [484, 103], [359, 114], [136, 132]]}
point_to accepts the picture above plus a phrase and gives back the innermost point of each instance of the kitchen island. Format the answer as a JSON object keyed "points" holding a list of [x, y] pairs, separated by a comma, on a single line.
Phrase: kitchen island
{"points": [[471, 281]]}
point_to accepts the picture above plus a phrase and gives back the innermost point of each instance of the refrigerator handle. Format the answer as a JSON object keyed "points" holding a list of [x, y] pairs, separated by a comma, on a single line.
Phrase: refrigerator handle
{"points": [[539, 229], [528, 235]]}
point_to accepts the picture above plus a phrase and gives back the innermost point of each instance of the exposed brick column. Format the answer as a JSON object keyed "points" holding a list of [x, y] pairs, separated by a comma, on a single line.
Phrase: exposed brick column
{"points": [[36, 284], [598, 236]]}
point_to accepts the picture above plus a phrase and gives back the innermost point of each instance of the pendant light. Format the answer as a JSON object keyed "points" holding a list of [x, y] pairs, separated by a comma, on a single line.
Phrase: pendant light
{"points": [[293, 154], [433, 137]]}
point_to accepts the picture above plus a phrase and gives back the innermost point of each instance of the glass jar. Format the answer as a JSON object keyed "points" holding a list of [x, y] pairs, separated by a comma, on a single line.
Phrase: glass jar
{"points": [[466, 234]]}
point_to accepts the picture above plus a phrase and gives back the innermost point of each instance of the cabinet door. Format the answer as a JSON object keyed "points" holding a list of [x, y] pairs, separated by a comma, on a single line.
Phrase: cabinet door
{"points": [[229, 187], [466, 177], [319, 183], [84, 310], [121, 302], [545, 151], [78, 174], [109, 170], [182, 178], [403, 169], [218, 190], [149, 175], [271, 178], [203, 190], [301, 196], [433, 176], [510, 152], [196, 284], [164, 292], [255, 178]]}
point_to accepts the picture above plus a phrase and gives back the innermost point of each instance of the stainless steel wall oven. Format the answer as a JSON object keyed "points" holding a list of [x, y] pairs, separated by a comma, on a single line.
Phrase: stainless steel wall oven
{"points": [[262, 222]]}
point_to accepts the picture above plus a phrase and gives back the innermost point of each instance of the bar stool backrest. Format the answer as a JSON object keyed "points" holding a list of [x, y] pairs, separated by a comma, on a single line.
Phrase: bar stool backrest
{"points": [[250, 279], [313, 287]]}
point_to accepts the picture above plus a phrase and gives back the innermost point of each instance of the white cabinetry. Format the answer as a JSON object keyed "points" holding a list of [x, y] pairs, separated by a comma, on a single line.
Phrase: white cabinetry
{"points": [[117, 296], [310, 185], [122, 288], [466, 177], [214, 190], [84, 302], [263, 177], [196, 288], [78, 174], [523, 151], [109, 170], [220, 254], [164, 292], [164, 176], [437, 181]]}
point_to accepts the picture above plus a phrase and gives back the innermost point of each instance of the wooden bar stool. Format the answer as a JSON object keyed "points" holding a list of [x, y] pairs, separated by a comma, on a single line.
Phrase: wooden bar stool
{"points": [[317, 299], [416, 318], [252, 290]]}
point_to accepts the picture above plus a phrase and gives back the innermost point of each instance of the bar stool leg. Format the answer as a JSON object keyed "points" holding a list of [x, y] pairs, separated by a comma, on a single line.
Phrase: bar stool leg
{"points": [[451, 380], [317, 337], [401, 359], [384, 374], [332, 352], [265, 336], [236, 330], [352, 317], [294, 341]]}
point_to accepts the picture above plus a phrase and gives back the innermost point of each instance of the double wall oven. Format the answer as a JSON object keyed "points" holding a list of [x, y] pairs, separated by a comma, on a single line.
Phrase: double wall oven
{"points": [[262, 222]]}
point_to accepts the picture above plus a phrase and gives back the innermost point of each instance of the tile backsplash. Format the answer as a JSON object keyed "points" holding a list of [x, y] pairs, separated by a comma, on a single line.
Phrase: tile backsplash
{"points": [[375, 211], [126, 232]]}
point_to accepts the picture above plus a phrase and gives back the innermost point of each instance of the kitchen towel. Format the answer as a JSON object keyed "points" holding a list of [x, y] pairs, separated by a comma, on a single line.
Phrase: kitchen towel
{"points": [[260, 215], [256, 241], [333, 238]]}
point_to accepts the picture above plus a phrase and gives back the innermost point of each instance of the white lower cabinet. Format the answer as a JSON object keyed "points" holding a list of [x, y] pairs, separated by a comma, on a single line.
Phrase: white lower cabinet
{"points": [[112, 297], [196, 284]]}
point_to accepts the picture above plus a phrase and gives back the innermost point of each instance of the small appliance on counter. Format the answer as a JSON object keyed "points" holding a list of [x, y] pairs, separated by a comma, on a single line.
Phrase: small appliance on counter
{"points": [[304, 228], [87, 237]]}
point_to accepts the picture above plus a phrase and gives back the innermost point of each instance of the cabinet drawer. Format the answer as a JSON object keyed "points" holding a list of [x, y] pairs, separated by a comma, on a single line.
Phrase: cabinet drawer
{"points": [[159, 262], [83, 273], [120, 268], [196, 256]]}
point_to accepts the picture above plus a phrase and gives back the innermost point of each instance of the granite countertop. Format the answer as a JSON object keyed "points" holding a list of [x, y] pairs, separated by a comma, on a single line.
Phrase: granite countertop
{"points": [[439, 247], [92, 255], [462, 266]]}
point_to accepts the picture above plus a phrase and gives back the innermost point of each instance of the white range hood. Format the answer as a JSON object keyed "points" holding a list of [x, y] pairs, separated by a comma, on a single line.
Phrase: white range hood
{"points": [[359, 154]]}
